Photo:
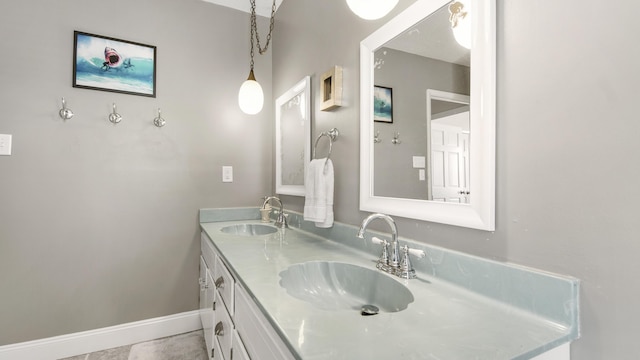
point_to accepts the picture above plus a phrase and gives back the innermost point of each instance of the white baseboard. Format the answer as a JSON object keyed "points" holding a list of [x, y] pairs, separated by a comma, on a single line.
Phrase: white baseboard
{"points": [[100, 339]]}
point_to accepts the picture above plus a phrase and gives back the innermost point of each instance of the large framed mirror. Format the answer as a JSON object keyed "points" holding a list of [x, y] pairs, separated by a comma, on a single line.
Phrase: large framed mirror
{"points": [[435, 159], [293, 138]]}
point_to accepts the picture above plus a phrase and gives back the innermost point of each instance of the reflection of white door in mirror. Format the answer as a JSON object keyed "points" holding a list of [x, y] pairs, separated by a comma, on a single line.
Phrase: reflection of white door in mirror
{"points": [[449, 164], [448, 130], [293, 138], [472, 171]]}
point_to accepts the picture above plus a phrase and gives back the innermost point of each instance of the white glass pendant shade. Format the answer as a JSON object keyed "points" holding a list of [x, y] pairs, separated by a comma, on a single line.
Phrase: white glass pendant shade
{"points": [[371, 9], [250, 96], [462, 29]]}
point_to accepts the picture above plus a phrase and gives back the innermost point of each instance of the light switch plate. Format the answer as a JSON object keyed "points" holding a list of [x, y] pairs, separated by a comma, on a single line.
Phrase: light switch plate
{"points": [[5, 144], [227, 174]]}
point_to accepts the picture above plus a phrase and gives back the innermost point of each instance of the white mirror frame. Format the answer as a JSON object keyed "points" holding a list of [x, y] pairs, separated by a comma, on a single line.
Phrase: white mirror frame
{"points": [[480, 212], [303, 86]]}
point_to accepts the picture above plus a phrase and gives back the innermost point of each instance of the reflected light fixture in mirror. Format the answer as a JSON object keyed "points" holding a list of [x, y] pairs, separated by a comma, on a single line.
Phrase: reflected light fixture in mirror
{"points": [[371, 9], [251, 96], [461, 22]]}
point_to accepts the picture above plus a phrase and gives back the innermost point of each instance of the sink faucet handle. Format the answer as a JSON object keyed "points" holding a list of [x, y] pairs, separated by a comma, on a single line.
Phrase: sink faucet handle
{"points": [[378, 241], [383, 261], [417, 253], [406, 270]]}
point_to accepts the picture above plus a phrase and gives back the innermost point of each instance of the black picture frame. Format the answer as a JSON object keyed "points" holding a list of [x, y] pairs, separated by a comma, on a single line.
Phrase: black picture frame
{"points": [[383, 104], [109, 64]]}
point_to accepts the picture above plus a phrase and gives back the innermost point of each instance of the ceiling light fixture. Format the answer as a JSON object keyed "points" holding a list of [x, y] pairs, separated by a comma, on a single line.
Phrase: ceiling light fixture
{"points": [[251, 96], [371, 9], [461, 22]]}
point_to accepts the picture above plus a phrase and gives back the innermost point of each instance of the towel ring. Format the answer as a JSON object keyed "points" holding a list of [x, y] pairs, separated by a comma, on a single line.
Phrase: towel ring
{"points": [[332, 135]]}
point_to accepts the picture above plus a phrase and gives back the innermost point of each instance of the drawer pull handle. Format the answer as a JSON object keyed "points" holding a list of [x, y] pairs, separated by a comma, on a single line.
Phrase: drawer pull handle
{"points": [[219, 283], [219, 330]]}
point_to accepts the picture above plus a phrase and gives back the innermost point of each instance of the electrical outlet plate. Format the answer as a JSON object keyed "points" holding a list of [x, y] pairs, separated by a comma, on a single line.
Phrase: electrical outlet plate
{"points": [[419, 162], [5, 144]]}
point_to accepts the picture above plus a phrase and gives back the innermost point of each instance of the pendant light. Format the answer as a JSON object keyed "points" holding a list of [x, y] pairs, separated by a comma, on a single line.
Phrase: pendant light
{"points": [[461, 22], [371, 9], [251, 96]]}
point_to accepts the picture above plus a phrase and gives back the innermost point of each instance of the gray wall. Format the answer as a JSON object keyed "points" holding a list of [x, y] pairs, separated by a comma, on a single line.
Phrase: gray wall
{"points": [[99, 223], [567, 163]]}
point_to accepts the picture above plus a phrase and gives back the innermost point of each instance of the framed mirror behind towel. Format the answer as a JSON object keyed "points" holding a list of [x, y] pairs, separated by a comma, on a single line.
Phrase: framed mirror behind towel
{"points": [[293, 138]]}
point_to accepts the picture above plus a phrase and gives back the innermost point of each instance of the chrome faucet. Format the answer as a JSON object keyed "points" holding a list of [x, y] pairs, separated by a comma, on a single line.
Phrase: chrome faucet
{"points": [[394, 258], [281, 220]]}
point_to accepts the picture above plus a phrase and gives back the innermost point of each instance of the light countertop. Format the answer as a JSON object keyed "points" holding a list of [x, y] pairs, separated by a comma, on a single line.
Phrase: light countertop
{"points": [[445, 321]]}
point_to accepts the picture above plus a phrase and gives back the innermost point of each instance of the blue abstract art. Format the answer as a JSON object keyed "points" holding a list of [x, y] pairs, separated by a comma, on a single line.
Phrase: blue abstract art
{"points": [[382, 104], [108, 64]]}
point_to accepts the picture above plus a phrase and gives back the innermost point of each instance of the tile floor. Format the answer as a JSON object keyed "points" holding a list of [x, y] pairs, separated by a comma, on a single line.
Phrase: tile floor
{"points": [[188, 346]]}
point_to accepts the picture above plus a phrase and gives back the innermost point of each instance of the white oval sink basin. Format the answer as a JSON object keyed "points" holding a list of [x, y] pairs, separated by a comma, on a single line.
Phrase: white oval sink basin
{"points": [[341, 286], [249, 229]]}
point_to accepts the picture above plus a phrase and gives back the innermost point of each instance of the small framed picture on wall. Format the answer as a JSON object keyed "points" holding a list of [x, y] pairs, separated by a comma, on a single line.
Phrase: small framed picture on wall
{"points": [[108, 64]]}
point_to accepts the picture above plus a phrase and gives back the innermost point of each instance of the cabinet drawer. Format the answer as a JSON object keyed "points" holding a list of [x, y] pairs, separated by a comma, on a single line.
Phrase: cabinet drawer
{"points": [[260, 339], [223, 333], [208, 251], [224, 283]]}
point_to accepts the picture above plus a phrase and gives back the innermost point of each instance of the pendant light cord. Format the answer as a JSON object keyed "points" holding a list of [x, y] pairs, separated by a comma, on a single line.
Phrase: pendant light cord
{"points": [[254, 29]]}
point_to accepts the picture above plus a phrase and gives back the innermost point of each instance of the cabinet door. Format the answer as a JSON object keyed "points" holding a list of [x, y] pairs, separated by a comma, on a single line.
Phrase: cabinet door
{"points": [[222, 331], [203, 284], [206, 303], [237, 346], [260, 339], [208, 324]]}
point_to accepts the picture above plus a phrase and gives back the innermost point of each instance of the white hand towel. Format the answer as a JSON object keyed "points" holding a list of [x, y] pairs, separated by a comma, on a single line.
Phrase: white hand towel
{"points": [[318, 202]]}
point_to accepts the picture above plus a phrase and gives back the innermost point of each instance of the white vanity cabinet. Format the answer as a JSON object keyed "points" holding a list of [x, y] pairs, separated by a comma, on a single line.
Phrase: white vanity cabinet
{"points": [[234, 327]]}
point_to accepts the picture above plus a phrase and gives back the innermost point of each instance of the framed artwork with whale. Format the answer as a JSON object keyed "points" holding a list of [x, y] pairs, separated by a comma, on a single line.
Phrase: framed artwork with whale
{"points": [[109, 64]]}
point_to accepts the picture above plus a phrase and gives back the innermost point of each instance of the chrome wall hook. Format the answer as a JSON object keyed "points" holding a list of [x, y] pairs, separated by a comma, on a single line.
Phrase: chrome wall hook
{"points": [[159, 121], [65, 113], [396, 138], [114, 117], [376, 138]]}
